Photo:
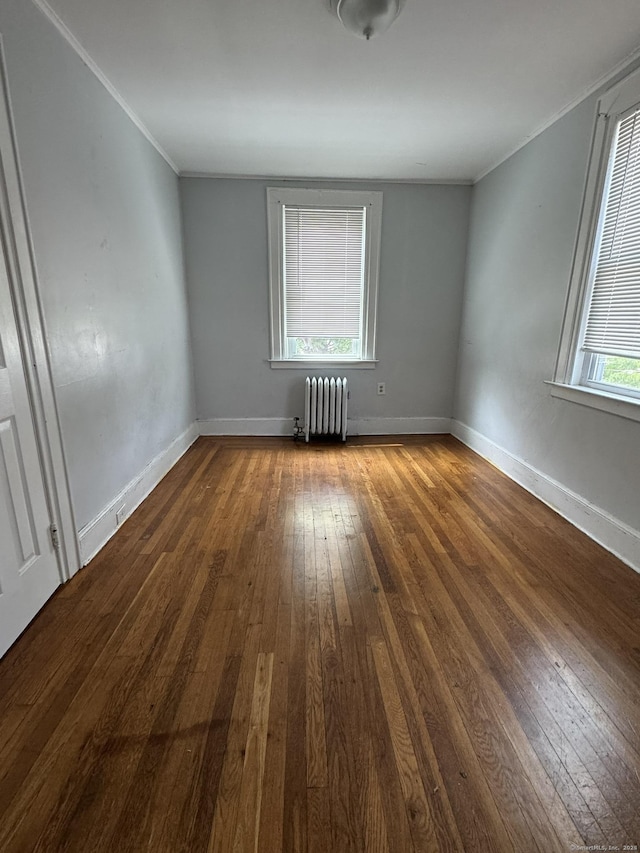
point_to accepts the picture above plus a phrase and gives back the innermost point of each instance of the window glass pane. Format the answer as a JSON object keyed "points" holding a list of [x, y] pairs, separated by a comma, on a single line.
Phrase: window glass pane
{"points": [[323, 272], [313, 346], [616, 370], [324, 248], [613, 318]]}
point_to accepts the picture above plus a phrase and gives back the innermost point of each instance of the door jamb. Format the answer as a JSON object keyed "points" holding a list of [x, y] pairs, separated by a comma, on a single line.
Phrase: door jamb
{"points": [[31, 329]]}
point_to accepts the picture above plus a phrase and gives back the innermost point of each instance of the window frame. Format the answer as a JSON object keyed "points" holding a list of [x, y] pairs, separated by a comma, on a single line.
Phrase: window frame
{"points": [[277, 197], [572, 375]]}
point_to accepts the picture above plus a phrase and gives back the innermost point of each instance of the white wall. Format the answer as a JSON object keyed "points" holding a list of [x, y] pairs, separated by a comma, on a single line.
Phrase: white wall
{"points": [[105, 217], [424, 233], [523, 226]]}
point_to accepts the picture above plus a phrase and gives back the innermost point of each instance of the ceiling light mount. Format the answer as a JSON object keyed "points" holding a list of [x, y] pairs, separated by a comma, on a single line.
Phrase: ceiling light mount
{"points": [[367, 18]]}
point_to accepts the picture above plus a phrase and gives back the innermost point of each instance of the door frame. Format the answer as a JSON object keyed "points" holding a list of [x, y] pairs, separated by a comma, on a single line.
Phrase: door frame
{"points": [[23, 283]]}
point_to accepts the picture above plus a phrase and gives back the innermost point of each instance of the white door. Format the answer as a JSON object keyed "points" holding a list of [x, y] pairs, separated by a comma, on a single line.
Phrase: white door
{"points": [[28, 564]]}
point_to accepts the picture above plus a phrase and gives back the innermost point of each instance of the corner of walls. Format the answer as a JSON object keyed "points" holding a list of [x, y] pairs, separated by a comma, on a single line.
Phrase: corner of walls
{"points": [[50, 13], [97, 532], [189, 320], [614, 535], [463, 296]]}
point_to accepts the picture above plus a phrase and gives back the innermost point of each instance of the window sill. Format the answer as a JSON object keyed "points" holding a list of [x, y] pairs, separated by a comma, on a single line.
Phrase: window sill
{"points": [[287, 364], [615, 404]]}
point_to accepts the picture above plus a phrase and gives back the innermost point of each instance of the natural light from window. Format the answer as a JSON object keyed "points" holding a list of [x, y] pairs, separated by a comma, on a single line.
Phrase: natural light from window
{"points": [[600, 345], [324, 254]]}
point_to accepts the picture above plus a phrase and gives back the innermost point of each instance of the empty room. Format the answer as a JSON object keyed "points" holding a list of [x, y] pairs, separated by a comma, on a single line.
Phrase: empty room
{"points": [[319, 426]]}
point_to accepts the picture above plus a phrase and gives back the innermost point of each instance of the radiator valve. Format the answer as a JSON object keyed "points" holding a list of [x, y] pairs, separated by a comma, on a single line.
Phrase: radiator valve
{"points": [[298, 431]]}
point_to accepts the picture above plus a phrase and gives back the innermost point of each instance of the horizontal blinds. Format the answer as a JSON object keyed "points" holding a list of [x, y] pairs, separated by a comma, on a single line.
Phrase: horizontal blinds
{"points": [[323, 271], [613, 321]]}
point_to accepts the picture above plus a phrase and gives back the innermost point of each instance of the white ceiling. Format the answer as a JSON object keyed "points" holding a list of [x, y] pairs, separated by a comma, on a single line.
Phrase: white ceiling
{"points": [[279, 88]]}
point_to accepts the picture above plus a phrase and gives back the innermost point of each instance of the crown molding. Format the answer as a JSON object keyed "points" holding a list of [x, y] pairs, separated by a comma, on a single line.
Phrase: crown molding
{"points": [[462, 182], [622, 66], [69, 37]]}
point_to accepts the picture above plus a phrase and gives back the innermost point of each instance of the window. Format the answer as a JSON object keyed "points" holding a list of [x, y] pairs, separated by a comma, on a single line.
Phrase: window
{"points": [[324, 255], [600, 346]]}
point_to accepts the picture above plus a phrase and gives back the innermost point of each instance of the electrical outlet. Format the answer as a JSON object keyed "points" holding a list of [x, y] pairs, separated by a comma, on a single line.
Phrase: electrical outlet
{"points": [[120, 514], [382, 388]]}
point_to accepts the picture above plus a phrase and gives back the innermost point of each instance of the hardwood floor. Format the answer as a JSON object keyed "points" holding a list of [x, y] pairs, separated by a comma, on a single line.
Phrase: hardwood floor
{"points": [[383, 646]]}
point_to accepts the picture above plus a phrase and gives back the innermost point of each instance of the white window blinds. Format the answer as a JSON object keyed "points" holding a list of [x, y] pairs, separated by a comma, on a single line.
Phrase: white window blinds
{"points": [[613, 320], [324, 254]]}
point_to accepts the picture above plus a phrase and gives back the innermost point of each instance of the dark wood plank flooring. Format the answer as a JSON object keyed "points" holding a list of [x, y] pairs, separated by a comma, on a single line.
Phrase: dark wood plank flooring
{"points": [[383, 646]]}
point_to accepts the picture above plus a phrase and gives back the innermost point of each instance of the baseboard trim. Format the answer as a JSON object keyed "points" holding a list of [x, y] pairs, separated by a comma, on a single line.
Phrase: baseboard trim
{"points": [[357, 426], [246, 426], [97, 532], [399, 426], [610, 532]]}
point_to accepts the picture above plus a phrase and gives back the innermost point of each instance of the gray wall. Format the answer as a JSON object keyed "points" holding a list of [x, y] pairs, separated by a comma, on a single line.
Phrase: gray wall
{"points": [[105, 217], [106, 226], [424, 234], [524, 222]]}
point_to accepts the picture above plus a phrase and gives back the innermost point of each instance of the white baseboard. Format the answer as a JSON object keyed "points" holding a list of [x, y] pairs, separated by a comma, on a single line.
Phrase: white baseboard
{"points": [[357, 426], [399, 426], [97, 532], [246, 426], [610, 532]]}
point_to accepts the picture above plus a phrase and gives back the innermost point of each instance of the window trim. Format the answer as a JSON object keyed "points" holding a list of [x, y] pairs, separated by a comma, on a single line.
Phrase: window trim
{"points": [[588, 365], [569, 378], [584, 395], [276, 198]]}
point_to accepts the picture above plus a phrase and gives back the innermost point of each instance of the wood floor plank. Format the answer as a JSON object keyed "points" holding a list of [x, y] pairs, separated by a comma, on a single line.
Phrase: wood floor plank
{"points": [[575, 739], [318, 820], [396, 816], [397, 641], [251, 788], [315, 738], [202, 798], [40, 745], [504, 749], [271, 816], [295, 784], [169, 808], [417, 802], [375, 833], [223, 829], [379, 646]]}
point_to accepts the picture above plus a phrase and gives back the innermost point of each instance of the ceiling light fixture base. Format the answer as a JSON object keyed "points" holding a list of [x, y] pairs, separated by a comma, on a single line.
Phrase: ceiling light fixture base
{"points": [[367, 18]]}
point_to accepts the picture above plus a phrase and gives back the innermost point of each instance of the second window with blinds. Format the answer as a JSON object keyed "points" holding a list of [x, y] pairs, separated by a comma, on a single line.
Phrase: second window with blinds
{"points": [[324, 248], [600, 345]]}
